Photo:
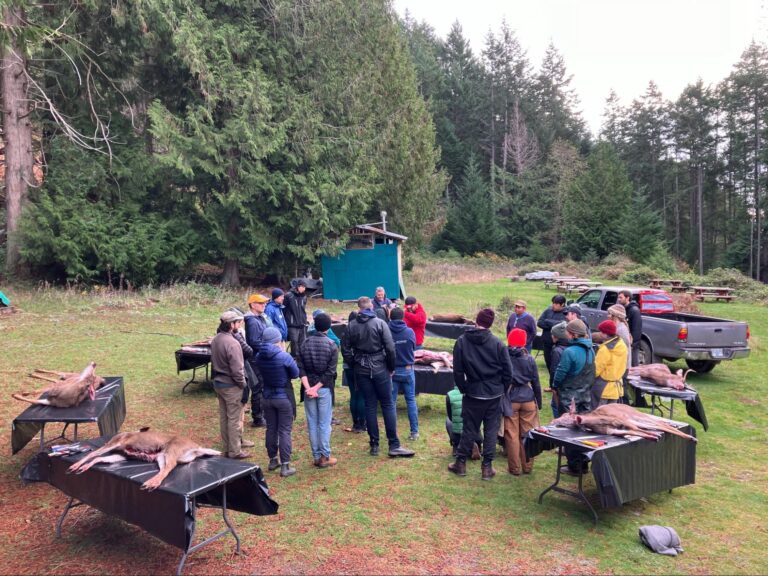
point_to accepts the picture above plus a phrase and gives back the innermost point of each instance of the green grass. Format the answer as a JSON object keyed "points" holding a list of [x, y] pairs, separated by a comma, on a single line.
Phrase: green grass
{"points": [[368, 514]]}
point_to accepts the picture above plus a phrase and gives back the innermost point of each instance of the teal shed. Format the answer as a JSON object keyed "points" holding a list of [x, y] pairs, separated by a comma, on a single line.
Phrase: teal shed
{"points": [[372, 257]]}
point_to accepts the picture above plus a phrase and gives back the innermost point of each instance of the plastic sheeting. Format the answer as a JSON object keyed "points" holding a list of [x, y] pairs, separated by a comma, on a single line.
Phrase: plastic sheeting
{"points": [[107, 409], [430, 382], [169, 513], [693, 406], [446, 329], [625, 470]]}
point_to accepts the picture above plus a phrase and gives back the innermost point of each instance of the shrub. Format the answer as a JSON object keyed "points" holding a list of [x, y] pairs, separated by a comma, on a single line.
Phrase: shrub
{"points": [[639, 275]]}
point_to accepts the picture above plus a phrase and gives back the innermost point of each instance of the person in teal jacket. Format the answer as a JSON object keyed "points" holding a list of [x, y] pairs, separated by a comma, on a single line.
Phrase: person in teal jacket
{"points": [[274, 312]]}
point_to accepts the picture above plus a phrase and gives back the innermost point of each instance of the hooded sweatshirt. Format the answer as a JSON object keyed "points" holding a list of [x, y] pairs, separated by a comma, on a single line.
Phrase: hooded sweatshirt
{"points": [[481, 367], [417, 321], [405, 343], [367, 345]]}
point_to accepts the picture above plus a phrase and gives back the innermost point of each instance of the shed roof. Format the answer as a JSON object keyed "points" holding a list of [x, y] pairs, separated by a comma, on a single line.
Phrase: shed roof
{"points": [[374, 230]]}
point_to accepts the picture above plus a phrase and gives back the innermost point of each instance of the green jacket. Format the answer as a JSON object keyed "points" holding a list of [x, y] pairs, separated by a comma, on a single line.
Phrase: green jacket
{"points": [[453, 402]]}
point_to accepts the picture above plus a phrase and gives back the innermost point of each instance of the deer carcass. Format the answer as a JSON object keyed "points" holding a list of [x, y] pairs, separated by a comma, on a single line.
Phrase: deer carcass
{"points": [[166, 449], [434, 359], [619, 420], [70, 391], [451, 319], [661, 375]]}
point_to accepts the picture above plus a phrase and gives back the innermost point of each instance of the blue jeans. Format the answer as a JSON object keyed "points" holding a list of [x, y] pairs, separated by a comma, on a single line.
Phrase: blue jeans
{"points": [[405, 380], [377, 388], [318, 412]]}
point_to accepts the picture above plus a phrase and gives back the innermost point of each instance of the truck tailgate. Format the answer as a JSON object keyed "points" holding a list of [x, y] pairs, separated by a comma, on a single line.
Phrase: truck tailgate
{"points": [[716, 334]]}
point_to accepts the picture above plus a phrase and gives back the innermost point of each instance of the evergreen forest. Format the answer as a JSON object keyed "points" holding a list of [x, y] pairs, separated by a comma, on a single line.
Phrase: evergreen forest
{"points": [[145, 139]]}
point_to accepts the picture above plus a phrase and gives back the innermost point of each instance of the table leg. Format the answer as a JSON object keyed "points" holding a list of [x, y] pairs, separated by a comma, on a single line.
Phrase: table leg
{"points": [[230, 530], [671, 408], [579, 495], [42, 438], [70, 504]]}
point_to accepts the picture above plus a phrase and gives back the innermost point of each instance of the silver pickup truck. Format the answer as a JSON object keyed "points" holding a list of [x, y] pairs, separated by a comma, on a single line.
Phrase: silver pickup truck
{"points": [[703, 342]]}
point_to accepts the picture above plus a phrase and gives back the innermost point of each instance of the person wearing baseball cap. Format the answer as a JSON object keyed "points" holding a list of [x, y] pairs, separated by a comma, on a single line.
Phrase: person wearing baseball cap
{"points": [[481, 371], [256, 321], [229, 382], [610, 365], [573, 381], [520, 318]]}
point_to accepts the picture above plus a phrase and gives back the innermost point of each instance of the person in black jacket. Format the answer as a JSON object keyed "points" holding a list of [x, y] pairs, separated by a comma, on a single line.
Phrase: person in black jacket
{"points": [[317, 362], [295, 313], [634, 320], [368, 347], [520, 404], [481, 371], [554, 314]]}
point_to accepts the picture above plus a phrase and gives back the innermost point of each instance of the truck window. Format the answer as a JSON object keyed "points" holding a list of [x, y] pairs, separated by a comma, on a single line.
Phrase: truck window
{"points": [[590, 299], [609, 300]]}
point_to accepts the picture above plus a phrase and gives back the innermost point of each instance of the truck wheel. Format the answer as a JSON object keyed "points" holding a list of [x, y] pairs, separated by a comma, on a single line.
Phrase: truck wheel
{"points": [[645, 354], [702, 366]]}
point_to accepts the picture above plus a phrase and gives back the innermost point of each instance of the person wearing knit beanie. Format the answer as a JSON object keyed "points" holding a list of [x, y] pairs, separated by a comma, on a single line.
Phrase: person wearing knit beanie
{"points": [[485, 318], [610, 365], [607, 327], [481, 371], [516, 338]]}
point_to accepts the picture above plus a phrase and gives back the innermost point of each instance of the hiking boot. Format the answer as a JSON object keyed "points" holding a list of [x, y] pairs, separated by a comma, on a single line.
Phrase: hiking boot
{"points": [[247, 444], [400, 452], [488, 472], [274, 464], [317, 462], [459, 468], [327, 462], [260, 423], [476, 452], [374, 450], [414, 436], [286, 470], [240, 456]]}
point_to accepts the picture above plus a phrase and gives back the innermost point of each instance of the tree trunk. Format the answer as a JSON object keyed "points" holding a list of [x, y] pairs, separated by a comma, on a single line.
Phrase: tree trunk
{"points": [[757, 191], [17, 133], [231, 274]]}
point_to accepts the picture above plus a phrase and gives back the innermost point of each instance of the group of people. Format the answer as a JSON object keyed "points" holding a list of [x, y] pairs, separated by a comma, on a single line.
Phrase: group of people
{"points": [[498, 386], [261, 352]]}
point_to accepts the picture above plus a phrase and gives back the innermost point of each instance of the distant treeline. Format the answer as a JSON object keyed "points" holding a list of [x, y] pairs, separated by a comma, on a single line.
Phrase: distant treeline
{"points": [[170, 133]]}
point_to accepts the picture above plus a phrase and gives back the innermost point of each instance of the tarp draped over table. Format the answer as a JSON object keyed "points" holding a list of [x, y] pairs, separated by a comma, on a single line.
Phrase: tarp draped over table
{"points": [[167, 512], [625, 470], [693, 405], [107, 409]]}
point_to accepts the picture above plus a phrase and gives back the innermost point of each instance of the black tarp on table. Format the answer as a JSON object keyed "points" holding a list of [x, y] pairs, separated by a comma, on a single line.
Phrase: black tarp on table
{"points": [[191, 359], [167, 512], [107, 409], [430, 382], [693, 406], [446, 329], [625, 470]]}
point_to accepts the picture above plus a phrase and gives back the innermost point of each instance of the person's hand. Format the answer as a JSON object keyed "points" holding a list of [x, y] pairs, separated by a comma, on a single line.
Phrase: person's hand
{"points": [[311, 393]]}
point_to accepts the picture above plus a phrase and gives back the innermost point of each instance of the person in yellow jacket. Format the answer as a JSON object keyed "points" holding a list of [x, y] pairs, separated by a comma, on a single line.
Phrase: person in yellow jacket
{"points": [[610, 365]]}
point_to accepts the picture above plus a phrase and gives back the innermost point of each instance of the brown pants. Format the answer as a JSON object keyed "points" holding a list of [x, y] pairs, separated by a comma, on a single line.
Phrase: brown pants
{"points": [[524, 418], [230, 418]]}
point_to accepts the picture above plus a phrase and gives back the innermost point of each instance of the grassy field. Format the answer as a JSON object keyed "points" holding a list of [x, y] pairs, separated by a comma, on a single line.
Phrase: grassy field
{"points": [[370, 515]]}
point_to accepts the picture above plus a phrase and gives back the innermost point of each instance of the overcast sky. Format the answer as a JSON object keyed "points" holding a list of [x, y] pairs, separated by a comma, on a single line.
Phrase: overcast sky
{"points": [[613, 44]]}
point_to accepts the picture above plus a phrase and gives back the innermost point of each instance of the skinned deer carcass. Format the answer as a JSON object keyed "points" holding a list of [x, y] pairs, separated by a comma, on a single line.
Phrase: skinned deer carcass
{"points": [[661, 375], [167, 450], [451, 319], [434, 359], [69, 392], [620, 420]]}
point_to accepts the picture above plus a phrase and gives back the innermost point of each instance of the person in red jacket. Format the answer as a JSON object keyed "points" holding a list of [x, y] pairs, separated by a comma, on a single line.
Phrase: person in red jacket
{"points": [[415, 319]]}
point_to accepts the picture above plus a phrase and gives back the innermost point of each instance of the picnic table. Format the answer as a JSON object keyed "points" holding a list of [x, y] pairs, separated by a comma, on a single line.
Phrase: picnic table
{"points": [[671, 284], [579, 286], [168, 513], [555, 280], [624, 469], [717, 292]]}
